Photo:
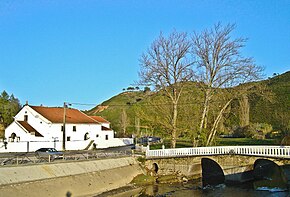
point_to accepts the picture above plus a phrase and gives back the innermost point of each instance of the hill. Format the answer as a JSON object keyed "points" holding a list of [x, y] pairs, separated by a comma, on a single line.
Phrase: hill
{"points": [[142, 112], [120, 110], [274, 111]]}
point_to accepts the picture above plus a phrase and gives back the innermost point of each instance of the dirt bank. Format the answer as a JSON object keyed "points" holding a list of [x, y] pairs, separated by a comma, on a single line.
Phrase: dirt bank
{"points": [[85, 184]]}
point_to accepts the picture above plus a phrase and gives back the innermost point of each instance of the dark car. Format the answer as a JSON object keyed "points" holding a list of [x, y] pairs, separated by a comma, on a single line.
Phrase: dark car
{"points": [[48, 153], [151, 139]]}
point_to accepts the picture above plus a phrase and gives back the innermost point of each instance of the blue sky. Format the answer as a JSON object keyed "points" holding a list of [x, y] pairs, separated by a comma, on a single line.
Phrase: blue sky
{"points": [[85, 51]]}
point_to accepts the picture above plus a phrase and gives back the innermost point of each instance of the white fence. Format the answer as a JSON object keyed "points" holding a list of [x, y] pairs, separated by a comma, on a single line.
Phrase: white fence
{"points": [[264, 151]]}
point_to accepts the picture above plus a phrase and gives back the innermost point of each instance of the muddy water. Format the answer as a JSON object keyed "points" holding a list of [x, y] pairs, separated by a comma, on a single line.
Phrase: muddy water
{"points": [[193, 189]]}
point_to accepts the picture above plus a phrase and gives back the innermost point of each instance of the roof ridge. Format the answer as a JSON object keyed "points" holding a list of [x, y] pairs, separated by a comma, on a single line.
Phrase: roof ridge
{"points": [[104, 120], [90, 117], [55, 115]]}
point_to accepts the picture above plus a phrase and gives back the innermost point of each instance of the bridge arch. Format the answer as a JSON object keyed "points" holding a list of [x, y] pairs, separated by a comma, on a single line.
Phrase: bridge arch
{"points": [[268, 175], [212, 173], [155, 167]]}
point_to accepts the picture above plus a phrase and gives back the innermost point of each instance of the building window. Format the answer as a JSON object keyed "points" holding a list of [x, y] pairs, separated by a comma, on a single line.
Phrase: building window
{"points": [[107, 137], [86, 137], [26, 118], [12, 137], [68, 138], [74, 128], [97, 135]]}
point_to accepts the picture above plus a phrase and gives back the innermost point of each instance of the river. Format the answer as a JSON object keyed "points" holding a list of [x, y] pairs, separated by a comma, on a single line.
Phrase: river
{"points": [[192, 188]]}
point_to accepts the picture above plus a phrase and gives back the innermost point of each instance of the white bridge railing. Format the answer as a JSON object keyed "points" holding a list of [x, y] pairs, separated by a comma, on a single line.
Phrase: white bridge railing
{"points": [[263, 151]]}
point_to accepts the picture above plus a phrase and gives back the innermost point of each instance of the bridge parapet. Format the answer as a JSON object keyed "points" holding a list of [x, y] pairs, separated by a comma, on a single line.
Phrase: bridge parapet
{"points": [[263, 151]]}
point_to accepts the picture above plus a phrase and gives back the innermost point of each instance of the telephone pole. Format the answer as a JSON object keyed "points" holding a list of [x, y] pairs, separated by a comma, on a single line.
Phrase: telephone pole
{"points": [[63, 127]]}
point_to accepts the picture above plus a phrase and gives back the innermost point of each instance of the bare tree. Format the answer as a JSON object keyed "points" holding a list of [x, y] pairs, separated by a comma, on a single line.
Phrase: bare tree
{"points": [[166, 65], [250, 90], [244, 110], [124, 121], [137, 126], [220, 64]]}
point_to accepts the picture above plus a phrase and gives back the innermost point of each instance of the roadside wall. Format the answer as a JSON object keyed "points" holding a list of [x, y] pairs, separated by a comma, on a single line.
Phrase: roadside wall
{"points": [[25, 146], [78, 178]]}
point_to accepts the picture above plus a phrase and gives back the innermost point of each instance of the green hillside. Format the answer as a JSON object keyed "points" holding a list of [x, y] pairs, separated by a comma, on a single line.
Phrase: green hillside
{"points": [[113, 109], [131, 110], [275, 111]]}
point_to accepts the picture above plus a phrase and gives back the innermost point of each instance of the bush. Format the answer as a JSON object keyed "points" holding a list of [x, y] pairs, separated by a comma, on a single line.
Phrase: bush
{"points": [[239, 132], [141, 159], [2, 131], [254, 131]]}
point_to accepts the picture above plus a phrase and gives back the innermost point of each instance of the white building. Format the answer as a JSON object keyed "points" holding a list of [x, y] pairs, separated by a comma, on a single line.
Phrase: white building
{"points": [[37, 127]]}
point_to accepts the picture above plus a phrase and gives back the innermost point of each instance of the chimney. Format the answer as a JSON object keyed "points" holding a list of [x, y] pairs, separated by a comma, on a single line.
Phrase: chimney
{"points": [[26, 103]]}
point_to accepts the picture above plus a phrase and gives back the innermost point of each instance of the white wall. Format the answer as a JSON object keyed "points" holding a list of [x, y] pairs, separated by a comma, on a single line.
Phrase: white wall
{"points": [[32, 146], [16, 128], [114, 142], [106, 124]]}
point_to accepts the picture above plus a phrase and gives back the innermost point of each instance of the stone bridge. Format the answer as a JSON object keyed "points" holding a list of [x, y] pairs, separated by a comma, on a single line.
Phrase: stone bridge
{"points": [[236, 162]]}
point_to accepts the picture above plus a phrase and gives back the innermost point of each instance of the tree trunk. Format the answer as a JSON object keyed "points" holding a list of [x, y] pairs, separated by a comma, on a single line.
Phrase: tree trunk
{"points": [[216, 122], [174, 125], [245, 111], [137, 126], [124, 121], [203, 121]]}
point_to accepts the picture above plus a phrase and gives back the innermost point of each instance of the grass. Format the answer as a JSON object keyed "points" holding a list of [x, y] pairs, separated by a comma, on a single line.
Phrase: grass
{"points": [[142, 179], [220, 142], [245, 141], [167, 144]]}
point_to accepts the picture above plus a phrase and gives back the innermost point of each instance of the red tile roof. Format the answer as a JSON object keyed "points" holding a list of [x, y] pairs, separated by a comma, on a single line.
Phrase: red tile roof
{"points": [[29, 128], [55, 115], [100, 119]]}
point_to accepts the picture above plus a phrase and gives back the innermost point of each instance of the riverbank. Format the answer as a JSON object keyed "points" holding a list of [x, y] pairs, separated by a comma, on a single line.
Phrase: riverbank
{"points": [[84, 178]]}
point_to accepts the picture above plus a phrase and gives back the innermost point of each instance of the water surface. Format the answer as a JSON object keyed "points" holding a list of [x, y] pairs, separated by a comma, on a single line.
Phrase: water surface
{"points": [[193, 188]]}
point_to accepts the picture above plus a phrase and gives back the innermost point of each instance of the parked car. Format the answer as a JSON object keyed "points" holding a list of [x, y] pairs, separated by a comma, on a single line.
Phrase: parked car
{"points": [[151, 139], [48, 153]]}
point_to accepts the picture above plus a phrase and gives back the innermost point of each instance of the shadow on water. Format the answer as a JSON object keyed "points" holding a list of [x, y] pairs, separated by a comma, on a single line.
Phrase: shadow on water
{"points": [[222, 190], [193, 188]]}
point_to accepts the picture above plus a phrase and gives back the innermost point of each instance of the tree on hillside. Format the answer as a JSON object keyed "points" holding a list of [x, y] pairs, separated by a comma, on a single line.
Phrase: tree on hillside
{"points": [[156, 114], [220, 64], [244, 110], [124, 122], [9, 106], [166, 65]]}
